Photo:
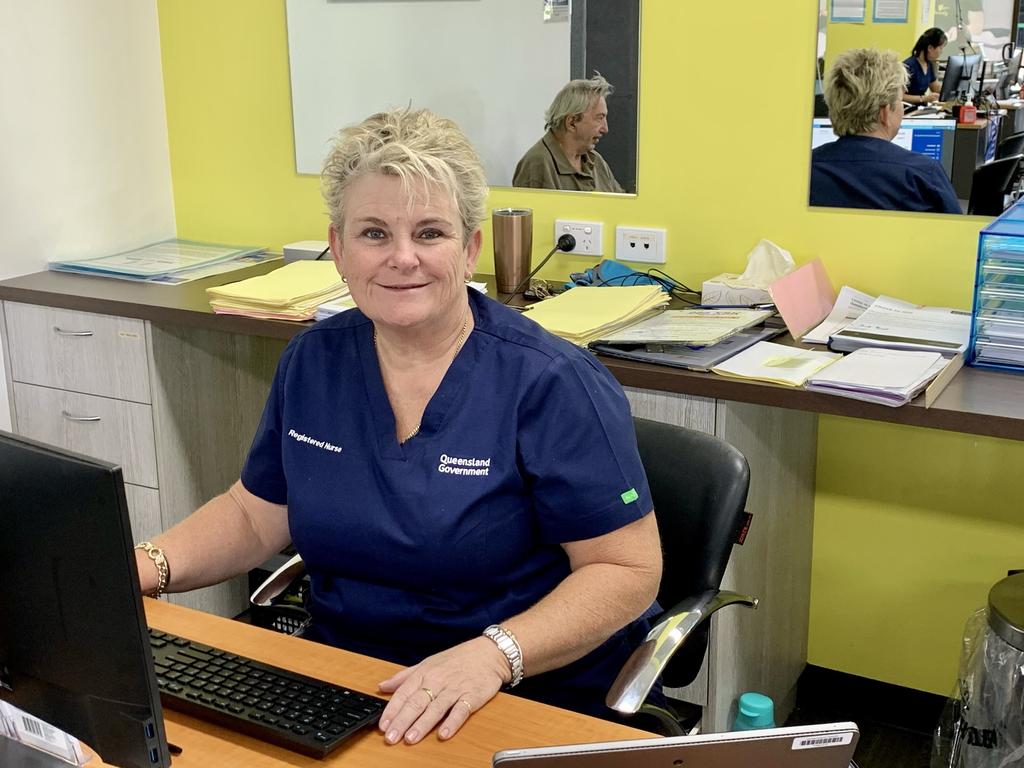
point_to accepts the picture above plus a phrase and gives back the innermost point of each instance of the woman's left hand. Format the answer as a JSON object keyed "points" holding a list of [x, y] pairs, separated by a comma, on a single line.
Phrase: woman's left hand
{"points": [[445, 688]]}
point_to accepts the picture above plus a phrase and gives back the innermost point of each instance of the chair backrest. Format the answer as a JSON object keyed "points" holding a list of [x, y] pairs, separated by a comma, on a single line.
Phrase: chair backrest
{"points": [[990, 185], [699, 486], [1011, 145]]}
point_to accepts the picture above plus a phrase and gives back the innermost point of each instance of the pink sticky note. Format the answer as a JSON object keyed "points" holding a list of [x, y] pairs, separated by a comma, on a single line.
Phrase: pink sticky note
{"points": [[804, 297]]}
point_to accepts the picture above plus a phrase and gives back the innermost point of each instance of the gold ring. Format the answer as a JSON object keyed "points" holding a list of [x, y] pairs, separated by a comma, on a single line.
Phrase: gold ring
{"points": [[429, 693], [468, 705]]}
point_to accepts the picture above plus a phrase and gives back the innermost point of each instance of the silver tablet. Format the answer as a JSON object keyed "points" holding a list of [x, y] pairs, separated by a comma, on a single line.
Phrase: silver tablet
{"points": [[805, 746]]}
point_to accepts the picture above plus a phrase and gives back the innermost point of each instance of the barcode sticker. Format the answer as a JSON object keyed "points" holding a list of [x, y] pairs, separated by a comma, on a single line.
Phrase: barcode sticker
{"points": [[34, 727], [823, 740], [37, 733]]}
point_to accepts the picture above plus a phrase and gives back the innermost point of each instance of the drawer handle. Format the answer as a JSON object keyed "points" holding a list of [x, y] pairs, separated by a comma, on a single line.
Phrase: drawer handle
{"points": [[71, 417], [58, 330]]}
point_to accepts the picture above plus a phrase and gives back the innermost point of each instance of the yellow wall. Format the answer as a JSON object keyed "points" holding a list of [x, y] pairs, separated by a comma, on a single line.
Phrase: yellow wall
{"points": [[911, 525], [895, 37]]}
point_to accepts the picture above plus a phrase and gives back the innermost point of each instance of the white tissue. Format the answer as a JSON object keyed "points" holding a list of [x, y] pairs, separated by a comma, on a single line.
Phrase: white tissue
{"points": [[766, 263]]}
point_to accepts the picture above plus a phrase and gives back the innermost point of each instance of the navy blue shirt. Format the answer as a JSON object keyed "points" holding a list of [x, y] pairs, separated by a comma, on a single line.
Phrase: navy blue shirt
{"points": [[868, 172], [919, 79], [412, 548]]}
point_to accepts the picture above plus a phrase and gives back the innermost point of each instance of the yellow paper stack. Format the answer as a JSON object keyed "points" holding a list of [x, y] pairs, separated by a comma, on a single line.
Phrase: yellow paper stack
{"points": [[292, 292], [584, 314]]}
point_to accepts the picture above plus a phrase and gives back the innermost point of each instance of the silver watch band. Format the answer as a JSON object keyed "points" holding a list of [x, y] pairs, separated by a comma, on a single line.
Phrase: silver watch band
{"points": [[509, 646]]}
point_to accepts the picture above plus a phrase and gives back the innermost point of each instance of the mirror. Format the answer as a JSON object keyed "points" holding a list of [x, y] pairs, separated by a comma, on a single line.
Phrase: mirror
{"points": [[860, 171], [493, 66]]}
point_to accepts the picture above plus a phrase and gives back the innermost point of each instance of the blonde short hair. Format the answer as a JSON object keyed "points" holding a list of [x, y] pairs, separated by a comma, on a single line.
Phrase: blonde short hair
{"points": [[861, 82], [575, 98], [418, 147]]}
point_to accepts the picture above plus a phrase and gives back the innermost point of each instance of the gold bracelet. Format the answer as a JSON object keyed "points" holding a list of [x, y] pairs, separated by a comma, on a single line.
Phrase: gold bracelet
{"points": [[163, 571]]}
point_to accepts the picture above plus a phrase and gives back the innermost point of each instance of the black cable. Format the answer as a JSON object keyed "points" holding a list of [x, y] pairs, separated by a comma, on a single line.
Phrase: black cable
{"points": [[325, 250], [565, 243]]}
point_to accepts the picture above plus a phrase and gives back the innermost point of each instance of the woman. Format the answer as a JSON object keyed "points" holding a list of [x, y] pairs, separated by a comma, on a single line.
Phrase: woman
{"points": [[864, 168], [463, 487], [923, 86]]}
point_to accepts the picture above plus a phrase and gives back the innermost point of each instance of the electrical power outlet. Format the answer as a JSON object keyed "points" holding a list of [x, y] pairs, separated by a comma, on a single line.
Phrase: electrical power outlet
{"points": [[640, 244], [589, 235]]}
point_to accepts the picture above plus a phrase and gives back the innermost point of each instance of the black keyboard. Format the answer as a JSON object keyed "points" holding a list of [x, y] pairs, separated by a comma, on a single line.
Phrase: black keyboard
{"points": [[268, 703]]}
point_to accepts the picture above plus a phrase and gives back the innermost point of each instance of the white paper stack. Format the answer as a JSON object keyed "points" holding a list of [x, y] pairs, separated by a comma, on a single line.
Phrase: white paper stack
{"points": [[896, 324], [888, 376], [693, 327], [584, 314], [776, 363]]}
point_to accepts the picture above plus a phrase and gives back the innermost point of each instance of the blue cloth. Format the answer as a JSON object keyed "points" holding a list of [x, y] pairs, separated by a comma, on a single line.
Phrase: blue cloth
{"points": [[868, 172], [413, 548], [919, 79]]}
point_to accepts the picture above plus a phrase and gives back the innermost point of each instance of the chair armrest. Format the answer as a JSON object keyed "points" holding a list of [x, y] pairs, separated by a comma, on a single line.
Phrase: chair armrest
{"points": [[278, 581], [645, 666]]}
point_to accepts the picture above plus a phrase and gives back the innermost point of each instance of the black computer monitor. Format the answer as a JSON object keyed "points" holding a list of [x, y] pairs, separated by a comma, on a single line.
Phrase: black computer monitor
{"points": [[961, 72], [1009, 76], [74, 646]]}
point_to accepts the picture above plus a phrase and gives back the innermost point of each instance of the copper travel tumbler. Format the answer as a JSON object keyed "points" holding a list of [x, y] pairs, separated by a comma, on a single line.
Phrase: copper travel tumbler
{"points": [[513, 246]]}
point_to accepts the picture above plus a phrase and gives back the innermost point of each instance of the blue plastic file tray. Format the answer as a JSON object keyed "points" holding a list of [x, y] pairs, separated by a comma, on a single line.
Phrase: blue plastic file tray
{"points": [[997, 322]]}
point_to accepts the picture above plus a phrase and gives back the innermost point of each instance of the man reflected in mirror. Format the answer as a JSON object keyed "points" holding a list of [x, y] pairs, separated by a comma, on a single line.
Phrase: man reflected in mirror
{"points": [[566, 156], [863, 168]]}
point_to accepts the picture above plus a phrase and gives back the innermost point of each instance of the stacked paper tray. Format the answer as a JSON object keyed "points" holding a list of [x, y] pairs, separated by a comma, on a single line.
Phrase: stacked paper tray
{"points": [[997, 325]]}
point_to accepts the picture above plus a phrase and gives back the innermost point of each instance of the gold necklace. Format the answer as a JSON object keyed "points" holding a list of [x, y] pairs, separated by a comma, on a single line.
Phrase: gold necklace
{"points": [[458, 348]]}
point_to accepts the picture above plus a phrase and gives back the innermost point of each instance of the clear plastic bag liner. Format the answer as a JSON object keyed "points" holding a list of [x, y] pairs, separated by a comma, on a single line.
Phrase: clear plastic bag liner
{"points": [[982, 724]]}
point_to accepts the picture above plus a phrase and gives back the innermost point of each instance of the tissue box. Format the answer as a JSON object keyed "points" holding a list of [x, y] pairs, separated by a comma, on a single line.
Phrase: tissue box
{"points": [[304, 249], [716, 291]]}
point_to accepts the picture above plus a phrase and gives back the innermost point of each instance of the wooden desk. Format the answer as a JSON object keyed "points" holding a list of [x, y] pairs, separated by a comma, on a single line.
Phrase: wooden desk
{"points": [[976, 402], [970, 144], [209, 376], [506, 722]]}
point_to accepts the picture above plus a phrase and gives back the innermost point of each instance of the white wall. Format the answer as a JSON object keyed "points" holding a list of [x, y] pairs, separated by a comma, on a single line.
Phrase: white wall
{"points": [[494, 70], [84, 166]]}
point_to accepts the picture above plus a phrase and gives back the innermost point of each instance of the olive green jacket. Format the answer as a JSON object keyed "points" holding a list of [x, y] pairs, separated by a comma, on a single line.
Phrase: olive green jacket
{"points": [[545, 166]]}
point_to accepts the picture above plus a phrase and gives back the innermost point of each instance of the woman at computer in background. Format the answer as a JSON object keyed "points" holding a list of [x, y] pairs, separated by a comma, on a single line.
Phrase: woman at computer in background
{"points": [[464, 487], [863, 168], [923, 86]]}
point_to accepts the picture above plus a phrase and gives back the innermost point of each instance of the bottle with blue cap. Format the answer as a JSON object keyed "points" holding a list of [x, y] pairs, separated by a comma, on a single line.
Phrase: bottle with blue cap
{"points": [[754, 710]]}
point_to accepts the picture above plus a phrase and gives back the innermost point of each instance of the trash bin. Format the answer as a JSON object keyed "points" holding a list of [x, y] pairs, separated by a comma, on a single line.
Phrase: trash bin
{"points": [[982, 725]]}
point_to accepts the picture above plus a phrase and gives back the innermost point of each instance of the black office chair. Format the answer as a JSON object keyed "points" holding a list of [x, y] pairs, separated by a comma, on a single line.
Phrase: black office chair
{"points": [[699, 486], [991, 183], [1011, 145]]}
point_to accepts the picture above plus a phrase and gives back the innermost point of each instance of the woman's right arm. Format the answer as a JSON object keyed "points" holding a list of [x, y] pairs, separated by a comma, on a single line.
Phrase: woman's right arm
{"points": [[230, 534]]}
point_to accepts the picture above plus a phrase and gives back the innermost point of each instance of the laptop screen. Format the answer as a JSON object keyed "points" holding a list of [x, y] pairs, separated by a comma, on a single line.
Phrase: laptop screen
{"points": [[805, 746]]}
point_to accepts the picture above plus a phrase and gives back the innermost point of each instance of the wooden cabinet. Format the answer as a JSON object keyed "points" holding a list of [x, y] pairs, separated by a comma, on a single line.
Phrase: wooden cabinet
{"points": [[78, 351], [765, 649], [175, 408], [117, 431]]}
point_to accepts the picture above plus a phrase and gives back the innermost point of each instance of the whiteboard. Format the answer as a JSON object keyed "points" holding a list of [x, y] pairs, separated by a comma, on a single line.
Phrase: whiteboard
{"points": [[493, 66]]}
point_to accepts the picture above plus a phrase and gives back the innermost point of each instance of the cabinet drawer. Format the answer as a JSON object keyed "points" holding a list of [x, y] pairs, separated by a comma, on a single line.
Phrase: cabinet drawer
{"points": [[80, 351], [112, 430], [144, 511]]}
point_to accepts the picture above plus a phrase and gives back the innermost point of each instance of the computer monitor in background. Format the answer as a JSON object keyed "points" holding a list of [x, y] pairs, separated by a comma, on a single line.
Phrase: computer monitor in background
{"points": [[1009, 76], [933, 137], [74, 647], [962, 70]]}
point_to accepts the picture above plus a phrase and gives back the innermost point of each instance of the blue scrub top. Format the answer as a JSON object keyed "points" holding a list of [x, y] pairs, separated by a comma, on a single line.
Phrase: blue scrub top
{"points": [[868, 172], [413, 548], [919, 79]]}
